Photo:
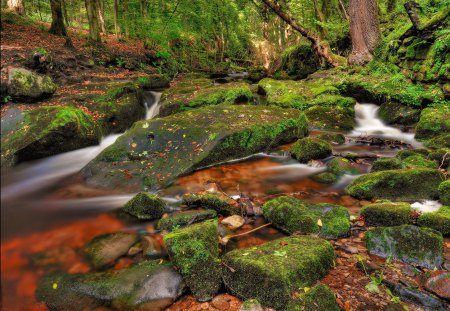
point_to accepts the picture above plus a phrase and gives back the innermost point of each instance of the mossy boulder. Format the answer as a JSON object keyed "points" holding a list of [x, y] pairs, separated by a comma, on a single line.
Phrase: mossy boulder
{"points": [[433, 122], [318, 298], [292, 215], [385, 164], [105, 249], [441, 156], [444, 192], [417, 161], [331, 118], [341, 166], [183, 218], [307, 149], [299, 61], [410, 244], [154, 153], [190, 94], [439, 221], [273, 271], [393, 112], [218, 202], [404, 184], [29, 86], [387, 214], [440, 141], [194, 250], [145, 205], [403, 154], [45, 131], [325, 178], [146, 284]]}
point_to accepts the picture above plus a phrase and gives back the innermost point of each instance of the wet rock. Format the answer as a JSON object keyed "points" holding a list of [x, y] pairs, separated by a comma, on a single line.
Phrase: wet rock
{"points": [[341, 166], [45, 131], [410, 244], [292, 215], [416, 296], [433, 122], [148, 282], [251, 305], [325, 178], [439, 284], [307, 149], [28, 86], [145, 205], [333, 138], [318, 298], [216, 201], [439, 220], [181, 219], [105, 249], [151, 247], [393, 112], [387, 214], [367, 266], [154, 153], [405, 184], [331, 118], [444, 192], [386, 164], [194, 250], [273, 271], [233, 222]]}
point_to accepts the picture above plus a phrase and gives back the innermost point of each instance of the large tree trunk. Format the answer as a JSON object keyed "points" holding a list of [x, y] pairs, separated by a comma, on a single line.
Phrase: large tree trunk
{"points": [[364, 30], [322, 49], [125, 18], [94, 31], [101, 16], [116, 19], [16, 6], [57, 28]]}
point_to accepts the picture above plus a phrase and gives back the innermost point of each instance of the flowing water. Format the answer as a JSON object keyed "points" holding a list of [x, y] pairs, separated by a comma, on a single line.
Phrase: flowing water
{"points": [[47, 212]]}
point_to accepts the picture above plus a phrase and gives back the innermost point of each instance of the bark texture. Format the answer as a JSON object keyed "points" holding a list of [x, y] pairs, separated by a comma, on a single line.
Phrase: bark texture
{"points": [[57, 27], [364, 30], [94, 30], [16, 6]]}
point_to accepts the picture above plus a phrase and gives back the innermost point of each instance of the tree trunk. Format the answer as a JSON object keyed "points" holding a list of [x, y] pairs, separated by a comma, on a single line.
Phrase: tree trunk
{"points": [[101, 16], [57, 28], [16, 6], [116, 19], [144, 8], [322, 49], [320, 16], [64, 10], [125, 18], [364, 30], [94, 31], [413, 10], [344, 11]]}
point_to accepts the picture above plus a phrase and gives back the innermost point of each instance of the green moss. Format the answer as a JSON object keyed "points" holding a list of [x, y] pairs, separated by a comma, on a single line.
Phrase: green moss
{"points": [[251, 305], [387, 164], [331, 118], [403, 154], [440, 141], [273, 271], [405, 184], [444, 192], [333, 138], [307, 149], [292, 215], [433, 122], [410, 244], [341, 166], [214, 201], [318, 298], [194, 250], [27, 85], [439, 221], [145, 205], [441, 156], [387, 214], [182, 219], [325, 178], [419, 161], [396, 113]]}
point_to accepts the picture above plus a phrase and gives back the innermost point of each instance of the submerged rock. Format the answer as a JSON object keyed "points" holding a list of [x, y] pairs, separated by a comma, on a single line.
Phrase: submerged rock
{"points": [[145, 205], [410, 244], [105, 249], [273, 271], [387, 214], [153, 153], [292, 215], [149, 282], [26, 85], [307, 149], [194, 250], [433, 122], [405, 184], [216, 201], [45, 131], [439, 220], [318, 298], [183, 218]]}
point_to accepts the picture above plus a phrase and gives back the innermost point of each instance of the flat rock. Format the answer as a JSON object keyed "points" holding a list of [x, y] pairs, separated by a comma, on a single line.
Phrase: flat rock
{"points": [[233, 222], [439, 284]]}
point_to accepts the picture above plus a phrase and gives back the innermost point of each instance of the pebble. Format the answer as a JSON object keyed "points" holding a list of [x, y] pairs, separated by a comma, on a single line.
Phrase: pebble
{"points": [[233, 222]]}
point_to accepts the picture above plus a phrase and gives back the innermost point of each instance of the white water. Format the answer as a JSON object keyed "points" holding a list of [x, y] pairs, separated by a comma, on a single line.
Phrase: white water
{"points": [[152, 104], [368, 124], [427, 206]]}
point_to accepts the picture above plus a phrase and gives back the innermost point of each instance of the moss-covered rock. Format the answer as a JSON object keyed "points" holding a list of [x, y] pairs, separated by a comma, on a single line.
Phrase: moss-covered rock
{"points": [[395, 113], [385, 164], [105, 249], [403, 154], [194, 250], [299, 61], [190, 94], [440, 141], [444, 192], [292, 215], [181, 219], [218, 202], [307, 149], [325, 178], [441, 156], [145, 205], [155, 152], [439, 220], [331, 118], [433, 122], [251, 305], [410, 244], [28, 86], [318, 298], [272, 272], [405, 184], [45, 131], [416, 161], [148, 283], [387, 214], [341, 166], [333, 138]]}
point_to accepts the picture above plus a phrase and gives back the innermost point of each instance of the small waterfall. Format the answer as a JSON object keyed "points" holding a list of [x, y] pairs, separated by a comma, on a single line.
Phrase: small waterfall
{"points": [[152, 104]]}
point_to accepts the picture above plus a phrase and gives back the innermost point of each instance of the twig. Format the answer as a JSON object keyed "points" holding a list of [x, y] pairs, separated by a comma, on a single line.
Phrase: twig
{"points": [[247, 232], [443, 160]]}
